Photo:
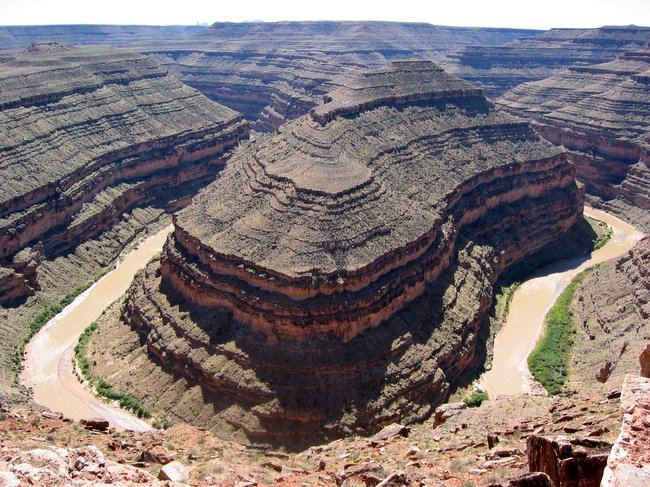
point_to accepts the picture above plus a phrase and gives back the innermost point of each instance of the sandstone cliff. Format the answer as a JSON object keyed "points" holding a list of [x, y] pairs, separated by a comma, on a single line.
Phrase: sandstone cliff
{"points": [[497, 69], [601, 114], [89, 135], [335, 276]]}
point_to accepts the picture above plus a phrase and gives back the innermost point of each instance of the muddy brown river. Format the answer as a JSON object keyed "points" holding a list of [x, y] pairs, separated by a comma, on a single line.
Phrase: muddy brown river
{"points": [[47, 368], [532, 301]]}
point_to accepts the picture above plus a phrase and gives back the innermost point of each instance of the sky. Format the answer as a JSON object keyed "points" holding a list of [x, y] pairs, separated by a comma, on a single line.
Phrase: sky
{"points": [[537, 14]]}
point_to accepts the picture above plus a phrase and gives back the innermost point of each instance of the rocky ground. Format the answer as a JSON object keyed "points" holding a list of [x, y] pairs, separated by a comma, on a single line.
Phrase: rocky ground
{"points": [[472, 447]]}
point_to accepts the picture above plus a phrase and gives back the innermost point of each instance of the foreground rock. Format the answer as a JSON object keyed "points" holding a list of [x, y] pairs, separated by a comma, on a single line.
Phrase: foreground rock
{"points": [[328, 282], [629, 461], [51, 466], [601, 114], [565, 465]]}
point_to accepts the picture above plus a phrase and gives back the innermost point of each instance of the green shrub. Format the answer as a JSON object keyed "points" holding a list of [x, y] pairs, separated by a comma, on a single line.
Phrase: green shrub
{"points": [[475, 398], [549, 361]]}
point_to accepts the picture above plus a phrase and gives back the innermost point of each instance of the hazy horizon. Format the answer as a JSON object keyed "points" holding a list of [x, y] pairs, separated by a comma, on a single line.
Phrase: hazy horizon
{"points": [[464, 13]]}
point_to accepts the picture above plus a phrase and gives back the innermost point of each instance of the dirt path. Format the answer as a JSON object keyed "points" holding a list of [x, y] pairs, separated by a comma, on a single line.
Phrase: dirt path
{"points": [[532, 301], [47, 368]]}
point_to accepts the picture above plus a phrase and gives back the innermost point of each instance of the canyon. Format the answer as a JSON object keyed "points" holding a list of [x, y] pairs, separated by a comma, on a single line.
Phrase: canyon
{"points": [[345, 216], [318, 288], [600, 114]]}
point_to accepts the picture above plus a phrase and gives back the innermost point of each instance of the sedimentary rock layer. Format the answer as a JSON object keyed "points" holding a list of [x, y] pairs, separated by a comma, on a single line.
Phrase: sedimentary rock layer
{"points": [[21, 36], [612, 312], [497, 69], [601, 114], [336, 274], [277, 71], [88, 134]]}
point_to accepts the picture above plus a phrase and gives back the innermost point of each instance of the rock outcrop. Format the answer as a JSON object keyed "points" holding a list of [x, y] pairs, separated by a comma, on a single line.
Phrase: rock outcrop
{"points": [[611, 310], [497, 69], [628, 464], [89, 135], [336, 274], [565, 464], [601, 114]]}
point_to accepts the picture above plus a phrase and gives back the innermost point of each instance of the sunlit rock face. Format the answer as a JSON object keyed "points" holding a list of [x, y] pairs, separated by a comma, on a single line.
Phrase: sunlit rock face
{"points": [[277, 71], [601, 114], [496, 69], [88, 134], [335, 276]]}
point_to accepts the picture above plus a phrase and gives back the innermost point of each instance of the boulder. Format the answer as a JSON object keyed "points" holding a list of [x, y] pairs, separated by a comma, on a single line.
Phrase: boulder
{"points": [[368, 473], [446, 411], [565, 467], [175, 472], [390, 431], [535, 479], [8, 479], [492, 440], [95, 424]]}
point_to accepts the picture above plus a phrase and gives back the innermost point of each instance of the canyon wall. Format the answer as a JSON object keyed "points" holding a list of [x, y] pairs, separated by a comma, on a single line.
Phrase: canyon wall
{"points": [[335, 277], [601, 114], [21, 36], [611, 311], [497, 69], [89, 135], [276, 71]]}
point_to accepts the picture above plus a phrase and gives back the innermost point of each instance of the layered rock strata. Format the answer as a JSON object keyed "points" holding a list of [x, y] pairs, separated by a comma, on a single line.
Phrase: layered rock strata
{"points": [[89, 135], [497, 69], [277, 71], [21, 36], [612, 313], [336, 274], [601, 114]]}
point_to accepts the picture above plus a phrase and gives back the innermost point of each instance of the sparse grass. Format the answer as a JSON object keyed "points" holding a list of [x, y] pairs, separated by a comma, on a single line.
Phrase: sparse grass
{"points": [[549, 361], [103, 388], [604, 234], [476, 398], [510, 292]]}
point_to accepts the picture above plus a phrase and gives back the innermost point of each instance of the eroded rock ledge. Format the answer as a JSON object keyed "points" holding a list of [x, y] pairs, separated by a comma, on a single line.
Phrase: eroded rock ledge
{"points": [[89, 134], [336, 275], [601, 114]]}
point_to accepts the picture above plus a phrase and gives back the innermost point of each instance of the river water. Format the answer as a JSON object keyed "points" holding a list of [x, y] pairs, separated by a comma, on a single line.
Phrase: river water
{"points": [[47, 367], [532, 301]]}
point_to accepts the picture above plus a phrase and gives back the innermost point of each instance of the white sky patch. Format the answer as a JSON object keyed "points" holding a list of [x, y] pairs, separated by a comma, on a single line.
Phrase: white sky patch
{"points": [[536, 14]]}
